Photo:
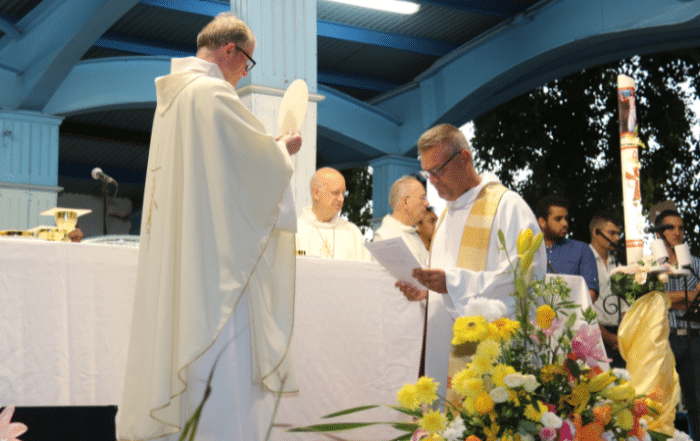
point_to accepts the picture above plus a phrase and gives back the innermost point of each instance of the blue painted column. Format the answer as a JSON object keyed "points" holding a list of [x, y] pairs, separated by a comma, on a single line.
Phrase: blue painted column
{"points": [[286, 50], [28, 168], [386, 171]]}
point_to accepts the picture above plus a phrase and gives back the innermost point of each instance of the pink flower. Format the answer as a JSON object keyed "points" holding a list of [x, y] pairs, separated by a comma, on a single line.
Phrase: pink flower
{"points": [[419, 434], [567, 431], [10, 431], [548, 434], [585, 345]]}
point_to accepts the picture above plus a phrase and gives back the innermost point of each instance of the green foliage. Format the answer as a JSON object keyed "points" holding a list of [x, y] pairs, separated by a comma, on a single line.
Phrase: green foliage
{"points": [[563, 138], [357, 206]]}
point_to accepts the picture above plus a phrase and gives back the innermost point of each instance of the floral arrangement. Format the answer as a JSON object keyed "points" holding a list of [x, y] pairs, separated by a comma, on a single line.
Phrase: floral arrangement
{"points": [[633, 281], [528, 379]]}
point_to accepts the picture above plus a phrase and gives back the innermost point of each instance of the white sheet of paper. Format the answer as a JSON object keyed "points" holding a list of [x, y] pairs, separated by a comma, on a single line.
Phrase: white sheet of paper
{"points": [[395, 256]]}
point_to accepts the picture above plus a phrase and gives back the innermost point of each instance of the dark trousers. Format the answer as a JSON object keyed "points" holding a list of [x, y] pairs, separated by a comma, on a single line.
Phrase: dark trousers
{"points": [[617, 360], [689, 375]]}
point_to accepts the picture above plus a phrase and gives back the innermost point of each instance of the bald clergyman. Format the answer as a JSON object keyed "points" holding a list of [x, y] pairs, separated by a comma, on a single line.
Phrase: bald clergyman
{"points": [[320, 229], [408, 204]]}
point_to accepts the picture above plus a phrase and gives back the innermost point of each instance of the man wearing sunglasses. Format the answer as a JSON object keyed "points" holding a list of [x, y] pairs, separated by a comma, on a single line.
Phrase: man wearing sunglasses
{"points": [[210, 237], [465, 257]]}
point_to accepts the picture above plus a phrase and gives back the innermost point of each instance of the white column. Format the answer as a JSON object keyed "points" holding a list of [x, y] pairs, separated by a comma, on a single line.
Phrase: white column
{"points": [[286, 50], [28, 167]]}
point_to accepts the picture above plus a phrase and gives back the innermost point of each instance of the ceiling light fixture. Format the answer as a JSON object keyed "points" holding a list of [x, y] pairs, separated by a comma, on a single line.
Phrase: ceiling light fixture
{"points": [[396, 6]]}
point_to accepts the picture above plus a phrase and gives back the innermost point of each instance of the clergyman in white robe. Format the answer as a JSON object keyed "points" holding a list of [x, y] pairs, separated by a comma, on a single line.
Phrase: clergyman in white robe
{"points": [[391, 228], [512, 215], [337, 239], [216, 266]]}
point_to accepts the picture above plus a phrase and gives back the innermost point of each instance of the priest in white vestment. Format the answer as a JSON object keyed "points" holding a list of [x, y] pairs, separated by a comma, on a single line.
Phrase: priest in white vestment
{"points": [[216, 261], [446, 158], [408, 204], [321, 231]]}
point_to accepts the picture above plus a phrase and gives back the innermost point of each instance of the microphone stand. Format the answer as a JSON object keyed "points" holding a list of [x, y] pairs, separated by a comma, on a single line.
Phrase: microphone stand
{"points": [[690, 315], [105, 190], [609, 307]]}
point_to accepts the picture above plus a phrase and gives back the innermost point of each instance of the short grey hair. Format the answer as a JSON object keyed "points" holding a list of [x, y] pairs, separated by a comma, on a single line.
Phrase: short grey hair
{"points": [[399, 190], [443, 134], [223, 29]]}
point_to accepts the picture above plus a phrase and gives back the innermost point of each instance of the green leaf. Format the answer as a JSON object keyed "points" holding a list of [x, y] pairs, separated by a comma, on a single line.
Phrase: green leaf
{"points": [[573, 368], [331, 427], [571, 320], [656, 436], [405, 437], [349, 411], [406, 427], [414, 413]]}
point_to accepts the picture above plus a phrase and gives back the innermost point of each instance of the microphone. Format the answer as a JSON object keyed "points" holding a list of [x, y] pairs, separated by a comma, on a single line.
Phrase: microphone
{"points": [[597, 231], [99, 175], [658, 229]]}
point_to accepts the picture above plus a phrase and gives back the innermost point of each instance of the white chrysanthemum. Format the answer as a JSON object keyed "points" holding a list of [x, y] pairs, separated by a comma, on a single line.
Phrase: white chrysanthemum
{"points": [[499, 394], [640, 278], [643, 423], [530, 383], [550, 419], [646, 437], [608, 435], [455, 430], [622, 373], [524, 436], [663, 278], [513, 380], [490, 309], [632, 438], [680, 436]]}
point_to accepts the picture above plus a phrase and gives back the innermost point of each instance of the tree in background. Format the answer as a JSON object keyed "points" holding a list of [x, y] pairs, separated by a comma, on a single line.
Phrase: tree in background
{"points": [[563, 138], [357, 206]]}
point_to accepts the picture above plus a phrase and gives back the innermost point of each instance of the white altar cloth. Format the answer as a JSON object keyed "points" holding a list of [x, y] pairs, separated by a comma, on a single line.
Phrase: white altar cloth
{"points": [[66, 311]]}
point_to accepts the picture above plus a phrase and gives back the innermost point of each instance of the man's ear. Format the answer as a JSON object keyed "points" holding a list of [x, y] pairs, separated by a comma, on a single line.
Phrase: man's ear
{"points": [[314, 192], [541, 222]]}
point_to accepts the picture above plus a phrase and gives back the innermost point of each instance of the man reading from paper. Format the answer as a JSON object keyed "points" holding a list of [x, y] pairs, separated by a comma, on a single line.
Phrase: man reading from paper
{"points": [[465, 257], [322, 232], [216, 260], [408, 204]]}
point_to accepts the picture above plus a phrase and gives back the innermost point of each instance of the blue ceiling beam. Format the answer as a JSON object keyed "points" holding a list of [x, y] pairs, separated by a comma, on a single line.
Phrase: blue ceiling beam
{"points": [[425, 46], [494, 8], [7, 26], [354, 81], [209, 8], [143, 46]]}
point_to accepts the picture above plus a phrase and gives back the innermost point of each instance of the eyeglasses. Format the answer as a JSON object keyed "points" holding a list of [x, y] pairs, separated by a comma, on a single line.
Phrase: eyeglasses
{"points": [[437, 172], [251, 63]]}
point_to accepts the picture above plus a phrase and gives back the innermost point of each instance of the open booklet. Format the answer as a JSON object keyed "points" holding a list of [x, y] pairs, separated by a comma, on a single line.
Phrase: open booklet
{"points": [[395, 256]]}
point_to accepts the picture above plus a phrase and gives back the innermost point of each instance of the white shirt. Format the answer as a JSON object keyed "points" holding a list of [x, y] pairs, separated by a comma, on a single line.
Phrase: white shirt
{"points": [[606, 300], [512, 215], [391, 228], [337, 239]]}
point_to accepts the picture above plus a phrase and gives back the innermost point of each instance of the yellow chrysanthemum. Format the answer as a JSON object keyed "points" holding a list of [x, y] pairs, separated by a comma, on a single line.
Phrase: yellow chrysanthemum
{"points": [[547, 373], [506, 327], [433, 421], [493, 333], [482, 364], [625, 419], [473, 387], [407, 397], [469, 329], [426, 390], [500, 371], [468, 405], [488, 348], [534, 411], [459, 381], [545, 315], [514, 397], [483, 403], [435, 437]]}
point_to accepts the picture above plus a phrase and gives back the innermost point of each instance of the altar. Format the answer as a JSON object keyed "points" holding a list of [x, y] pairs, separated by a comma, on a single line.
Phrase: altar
{"points": [[67, 310]]}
